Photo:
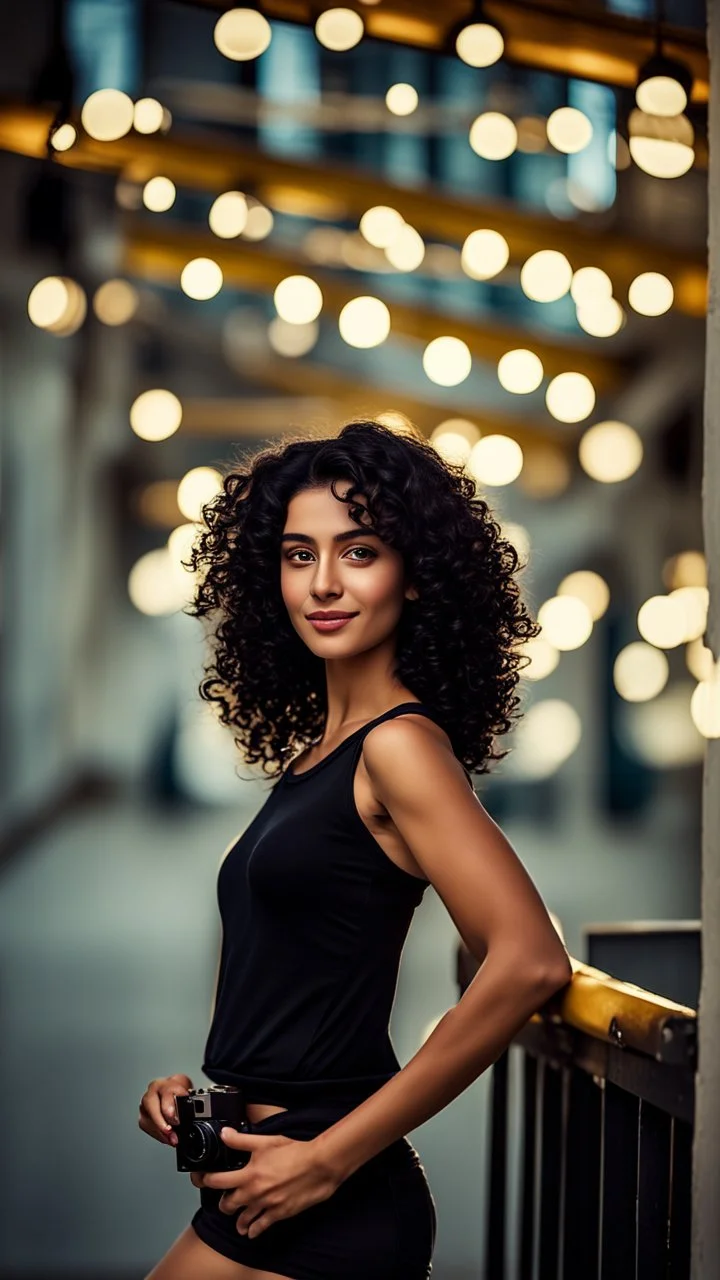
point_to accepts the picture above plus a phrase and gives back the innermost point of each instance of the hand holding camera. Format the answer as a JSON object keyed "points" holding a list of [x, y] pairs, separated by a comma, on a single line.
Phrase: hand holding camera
{"points": [[202, 1113], [158, 1109]]}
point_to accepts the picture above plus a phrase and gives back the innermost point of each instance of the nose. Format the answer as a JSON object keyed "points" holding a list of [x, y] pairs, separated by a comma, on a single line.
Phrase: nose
{"points": [[324, 583]]}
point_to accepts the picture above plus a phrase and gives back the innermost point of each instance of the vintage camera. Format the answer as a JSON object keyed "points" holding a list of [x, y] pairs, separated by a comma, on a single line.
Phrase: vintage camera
{"points": [[202, 1113]]}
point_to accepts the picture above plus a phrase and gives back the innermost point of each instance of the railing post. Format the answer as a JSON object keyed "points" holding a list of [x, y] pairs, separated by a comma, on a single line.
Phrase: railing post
{"points": [[581, 1190], [618, 1207], [653, 1192], [497, 1193], [680, 1200], [550, 1100], [528, 1214]]}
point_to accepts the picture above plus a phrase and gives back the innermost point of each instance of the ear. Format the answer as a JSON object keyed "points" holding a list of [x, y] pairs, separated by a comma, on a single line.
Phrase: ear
{"points": [[411, 593]]}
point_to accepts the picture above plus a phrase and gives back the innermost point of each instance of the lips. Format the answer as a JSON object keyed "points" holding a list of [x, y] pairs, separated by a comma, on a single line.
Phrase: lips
{"points": [[331, 616]]}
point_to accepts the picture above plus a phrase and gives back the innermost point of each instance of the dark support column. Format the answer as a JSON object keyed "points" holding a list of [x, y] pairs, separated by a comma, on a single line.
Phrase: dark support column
{"points": [[680, 1201], [653, 1192], [527, 1190], [550, 1098], [706, 1165], [497, 1197], [619, 1183], [581, 1205]]}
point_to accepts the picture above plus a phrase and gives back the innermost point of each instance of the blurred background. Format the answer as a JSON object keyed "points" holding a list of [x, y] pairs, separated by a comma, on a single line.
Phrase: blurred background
{"points": [[484, 223]]}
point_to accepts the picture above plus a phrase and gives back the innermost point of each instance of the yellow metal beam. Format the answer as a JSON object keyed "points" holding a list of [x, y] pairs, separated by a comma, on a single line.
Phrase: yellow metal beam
{"points": [[160, 256], [324, 397], [345, 192], [557, 37]]}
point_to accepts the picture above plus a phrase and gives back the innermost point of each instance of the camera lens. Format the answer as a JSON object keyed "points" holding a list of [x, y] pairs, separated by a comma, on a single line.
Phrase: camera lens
{"points": [[201, 1143]]}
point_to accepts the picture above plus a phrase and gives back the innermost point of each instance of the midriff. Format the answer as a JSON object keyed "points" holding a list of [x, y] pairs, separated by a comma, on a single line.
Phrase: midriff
{"points": [[257, 1111]]}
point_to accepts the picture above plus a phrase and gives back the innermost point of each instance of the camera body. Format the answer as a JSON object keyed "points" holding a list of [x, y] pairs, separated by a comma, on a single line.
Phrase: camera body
{"points": [[202, 1113]]}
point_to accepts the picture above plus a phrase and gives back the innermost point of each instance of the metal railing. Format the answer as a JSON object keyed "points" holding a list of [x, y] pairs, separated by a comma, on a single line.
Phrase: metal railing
{"points": [[604, 1112]]}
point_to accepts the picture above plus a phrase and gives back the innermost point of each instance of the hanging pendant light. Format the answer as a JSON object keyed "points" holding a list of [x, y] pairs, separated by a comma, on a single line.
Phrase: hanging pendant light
{"points": [[477, 39], [664, 84], [661, 145]]}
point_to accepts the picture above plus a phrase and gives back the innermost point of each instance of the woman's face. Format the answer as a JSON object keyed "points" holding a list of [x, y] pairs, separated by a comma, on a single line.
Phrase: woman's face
{"points": [[328, 562]]}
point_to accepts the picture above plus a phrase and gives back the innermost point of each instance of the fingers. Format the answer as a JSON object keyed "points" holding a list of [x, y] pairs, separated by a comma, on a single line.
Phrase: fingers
{"points": [[158, 1111]]}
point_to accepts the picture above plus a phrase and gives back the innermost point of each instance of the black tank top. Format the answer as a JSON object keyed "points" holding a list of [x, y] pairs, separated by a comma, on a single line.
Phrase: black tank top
{"points": [[315, 917]]}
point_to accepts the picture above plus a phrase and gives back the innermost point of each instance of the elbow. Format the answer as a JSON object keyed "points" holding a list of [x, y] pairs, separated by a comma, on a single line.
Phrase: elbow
{"points": [[553, 977]]}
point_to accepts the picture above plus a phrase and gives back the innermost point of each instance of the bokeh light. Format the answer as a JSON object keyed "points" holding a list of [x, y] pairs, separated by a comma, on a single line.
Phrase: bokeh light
{"points": [[570, 397], [115, 302], [201, 278], [401, 99], [447, 361], [242, 34], [520, 371], [610, 452], [229, 214], [339, 29], [107, 114], [364, 322], [158, 194], [484, 254], [298, 299], [155, 414], [493, 136]]}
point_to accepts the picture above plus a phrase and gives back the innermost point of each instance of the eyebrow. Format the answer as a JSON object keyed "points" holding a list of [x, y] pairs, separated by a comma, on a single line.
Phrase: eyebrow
{"points": [[338, 537]]}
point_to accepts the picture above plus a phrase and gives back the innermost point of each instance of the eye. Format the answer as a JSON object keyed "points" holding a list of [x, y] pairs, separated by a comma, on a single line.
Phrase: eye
{"points": [[372, 555], [367, 557]]}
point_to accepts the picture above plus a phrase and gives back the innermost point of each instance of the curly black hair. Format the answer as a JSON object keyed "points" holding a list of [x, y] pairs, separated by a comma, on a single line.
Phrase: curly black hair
{"points": [[458, 645]]}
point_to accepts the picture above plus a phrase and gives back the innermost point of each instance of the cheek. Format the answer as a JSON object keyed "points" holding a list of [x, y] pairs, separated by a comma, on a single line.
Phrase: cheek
{"points": [[381, 590], [291, 589]]}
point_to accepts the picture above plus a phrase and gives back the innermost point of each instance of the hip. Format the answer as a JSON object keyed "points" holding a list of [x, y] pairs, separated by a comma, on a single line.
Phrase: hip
{"points": [[381, 1220]]}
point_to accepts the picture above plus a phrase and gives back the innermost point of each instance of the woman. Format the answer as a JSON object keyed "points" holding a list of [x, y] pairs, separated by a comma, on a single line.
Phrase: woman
{"points": [[394, 703]]}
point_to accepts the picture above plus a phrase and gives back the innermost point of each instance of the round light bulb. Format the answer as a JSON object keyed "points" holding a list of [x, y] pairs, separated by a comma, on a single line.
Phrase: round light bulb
{"points": [[447, 361], [493, 136], [651, 294], [381, 225], [661, 96], [364, 322], [569, 130], [484, 254], [480, 44], [155, 414], [242, 34], [407, 250], [148, 115], [589, 284], [228, 215], [402, 99], [159, 194], [201, 278], [570, 397], [520, 371], [298, 299], [546, 276], [107, 114], [63, 137], [339, 29], [115, 302]]}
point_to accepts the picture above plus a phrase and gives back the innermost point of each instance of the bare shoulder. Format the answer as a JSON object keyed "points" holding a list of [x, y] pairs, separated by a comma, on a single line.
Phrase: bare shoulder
{"points": [[410, 745]]}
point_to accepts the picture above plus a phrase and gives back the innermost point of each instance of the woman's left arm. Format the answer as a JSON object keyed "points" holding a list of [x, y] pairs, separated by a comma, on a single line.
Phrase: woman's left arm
{"points": [[498, 913]]}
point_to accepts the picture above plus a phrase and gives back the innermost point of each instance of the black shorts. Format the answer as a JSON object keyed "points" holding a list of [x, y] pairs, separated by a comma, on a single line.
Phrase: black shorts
{"points": [[380, 1222]]}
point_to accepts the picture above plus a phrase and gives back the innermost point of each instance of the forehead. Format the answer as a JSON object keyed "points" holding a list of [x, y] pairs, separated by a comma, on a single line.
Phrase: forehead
{"points": [[320, 506]]}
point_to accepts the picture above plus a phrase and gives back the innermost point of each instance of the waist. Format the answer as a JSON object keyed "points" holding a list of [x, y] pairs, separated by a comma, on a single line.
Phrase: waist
{"points": [[345, 1093]]}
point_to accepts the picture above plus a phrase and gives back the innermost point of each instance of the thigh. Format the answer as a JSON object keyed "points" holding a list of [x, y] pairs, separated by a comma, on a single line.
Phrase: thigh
{"points": [[189, 1258]]}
